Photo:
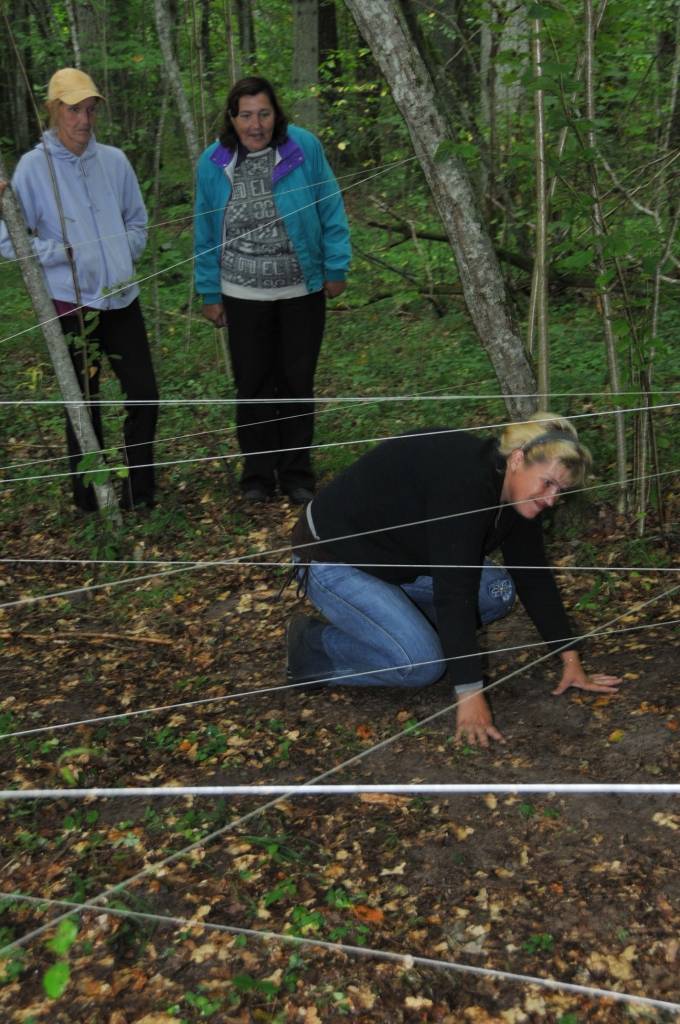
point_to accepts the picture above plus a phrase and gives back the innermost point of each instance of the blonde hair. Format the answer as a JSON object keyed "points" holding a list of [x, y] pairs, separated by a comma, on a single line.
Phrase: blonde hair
{"points": [[544, 437]]}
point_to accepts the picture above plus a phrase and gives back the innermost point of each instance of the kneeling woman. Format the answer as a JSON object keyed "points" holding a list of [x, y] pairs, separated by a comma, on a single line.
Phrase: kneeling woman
{"points": [[393, 554]]}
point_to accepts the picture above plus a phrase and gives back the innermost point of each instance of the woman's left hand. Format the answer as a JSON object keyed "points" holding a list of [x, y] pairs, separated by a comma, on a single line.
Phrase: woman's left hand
{"points": [[334, 288], [573, 675]]}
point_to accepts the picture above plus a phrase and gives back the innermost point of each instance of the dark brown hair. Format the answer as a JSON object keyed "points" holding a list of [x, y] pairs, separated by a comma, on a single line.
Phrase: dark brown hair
{"points": [[251, 86]]}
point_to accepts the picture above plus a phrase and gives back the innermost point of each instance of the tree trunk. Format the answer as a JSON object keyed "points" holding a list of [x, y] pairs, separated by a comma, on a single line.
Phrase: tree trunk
{"points": [[73, 32], [19, 97], [172, 71], [600, 230], [329, 58], [246, 37], [204, 32], [63, 367], [305, 75], [538, 307], [480, 275]]}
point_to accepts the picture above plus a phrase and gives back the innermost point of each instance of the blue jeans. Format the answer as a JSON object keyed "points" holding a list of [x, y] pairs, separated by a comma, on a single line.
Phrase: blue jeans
{"points": [[382, 634]]}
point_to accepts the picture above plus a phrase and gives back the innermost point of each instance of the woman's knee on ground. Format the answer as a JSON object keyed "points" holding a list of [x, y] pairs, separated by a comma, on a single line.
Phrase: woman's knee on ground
{"points": [[418, 664]]}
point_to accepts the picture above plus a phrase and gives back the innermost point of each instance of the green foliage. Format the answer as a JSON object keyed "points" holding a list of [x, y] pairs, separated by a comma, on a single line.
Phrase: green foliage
{"points": [[541, 942], [56, 979], [64, 937]]}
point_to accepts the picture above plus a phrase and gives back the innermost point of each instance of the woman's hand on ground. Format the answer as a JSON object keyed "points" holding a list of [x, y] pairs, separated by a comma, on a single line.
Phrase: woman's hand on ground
{"points": [[334, 288], [574, 675], [474, 723], [214, 312]]}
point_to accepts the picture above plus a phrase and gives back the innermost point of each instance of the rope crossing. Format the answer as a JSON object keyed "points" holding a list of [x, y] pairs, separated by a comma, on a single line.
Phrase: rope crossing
{"points": [[315, 787], [405, 960]]}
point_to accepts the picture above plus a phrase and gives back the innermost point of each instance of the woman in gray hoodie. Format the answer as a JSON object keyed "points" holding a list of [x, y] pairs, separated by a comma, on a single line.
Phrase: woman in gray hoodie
{"points": [[85, 211]]}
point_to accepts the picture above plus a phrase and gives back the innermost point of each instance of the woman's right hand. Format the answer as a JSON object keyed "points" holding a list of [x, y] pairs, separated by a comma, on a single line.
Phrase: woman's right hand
{"points": [[474, 722], [214, 312]]}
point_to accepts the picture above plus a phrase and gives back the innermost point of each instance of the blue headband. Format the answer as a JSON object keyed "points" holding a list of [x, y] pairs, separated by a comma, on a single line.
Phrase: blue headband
{"points": [[552, 435]]}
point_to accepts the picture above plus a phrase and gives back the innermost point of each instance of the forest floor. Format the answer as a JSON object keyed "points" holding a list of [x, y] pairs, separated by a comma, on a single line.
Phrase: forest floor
{"points": [[582, 889]]}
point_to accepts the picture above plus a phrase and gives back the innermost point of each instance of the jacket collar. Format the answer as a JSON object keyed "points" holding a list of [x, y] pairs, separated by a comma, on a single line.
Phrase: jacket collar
{"points": [[288, 156]]}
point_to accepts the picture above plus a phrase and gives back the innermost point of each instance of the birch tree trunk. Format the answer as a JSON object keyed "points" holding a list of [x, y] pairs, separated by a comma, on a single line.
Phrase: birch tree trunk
{"points": [[383, 27], [306, 61], [61, 361], [73, 32], [172, 71]]}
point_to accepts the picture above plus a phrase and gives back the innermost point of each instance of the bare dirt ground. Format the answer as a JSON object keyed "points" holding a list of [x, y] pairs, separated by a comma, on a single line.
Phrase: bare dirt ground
{"points": [[582, 889]]}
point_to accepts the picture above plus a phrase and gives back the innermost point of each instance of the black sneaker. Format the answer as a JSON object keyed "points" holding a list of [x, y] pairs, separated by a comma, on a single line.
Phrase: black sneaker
{"points": [[256, 495], [297, 627], [299, 495]]}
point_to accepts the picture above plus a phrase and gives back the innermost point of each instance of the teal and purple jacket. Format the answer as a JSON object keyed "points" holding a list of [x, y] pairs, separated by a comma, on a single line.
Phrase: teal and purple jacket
{"points": [[306, 196]]}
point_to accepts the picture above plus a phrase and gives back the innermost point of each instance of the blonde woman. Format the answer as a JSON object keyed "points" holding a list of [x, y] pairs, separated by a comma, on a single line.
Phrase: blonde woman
{"points": [[393, 553]]}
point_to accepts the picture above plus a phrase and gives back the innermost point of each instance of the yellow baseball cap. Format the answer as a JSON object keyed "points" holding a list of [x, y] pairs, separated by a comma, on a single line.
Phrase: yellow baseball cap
{"points": [[71, 86]]}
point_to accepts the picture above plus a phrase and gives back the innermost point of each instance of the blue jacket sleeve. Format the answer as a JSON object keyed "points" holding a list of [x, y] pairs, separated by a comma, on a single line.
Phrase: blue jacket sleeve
{"points": [[337, 251], [207, 230]]}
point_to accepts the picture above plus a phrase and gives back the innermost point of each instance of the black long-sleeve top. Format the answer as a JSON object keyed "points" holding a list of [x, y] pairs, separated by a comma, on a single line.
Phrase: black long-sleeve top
{"points": [[429, 503]]}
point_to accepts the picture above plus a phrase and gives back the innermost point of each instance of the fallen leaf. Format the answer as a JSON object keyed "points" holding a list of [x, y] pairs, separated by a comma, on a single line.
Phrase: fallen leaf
{"points": [[371, 915], [618, 967], [363, 997], [667, 820], [387, 799], [417, 1003], [202, 953], [398, 870], [156, 1018]]}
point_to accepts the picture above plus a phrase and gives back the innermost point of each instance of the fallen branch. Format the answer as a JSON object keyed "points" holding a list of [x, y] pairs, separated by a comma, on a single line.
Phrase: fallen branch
{"points": [[11, 634]]}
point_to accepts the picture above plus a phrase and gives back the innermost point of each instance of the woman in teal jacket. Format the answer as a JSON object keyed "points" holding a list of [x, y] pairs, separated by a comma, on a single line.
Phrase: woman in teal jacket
{"points": [[271, 245]]}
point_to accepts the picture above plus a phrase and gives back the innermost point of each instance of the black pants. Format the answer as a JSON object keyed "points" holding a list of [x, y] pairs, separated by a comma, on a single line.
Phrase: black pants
{"points": [[274, 348], [119, 334]]}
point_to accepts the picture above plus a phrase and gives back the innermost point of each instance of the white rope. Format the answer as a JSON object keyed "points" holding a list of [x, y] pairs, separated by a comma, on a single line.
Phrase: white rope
{"points": [[355, 759], [189, 217], [351, 789], [190, 259], [368, 399], [231, 429], [319, 447], [327, 400], [263, 691], [229, 563], [274, 551], [406, 960]]}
